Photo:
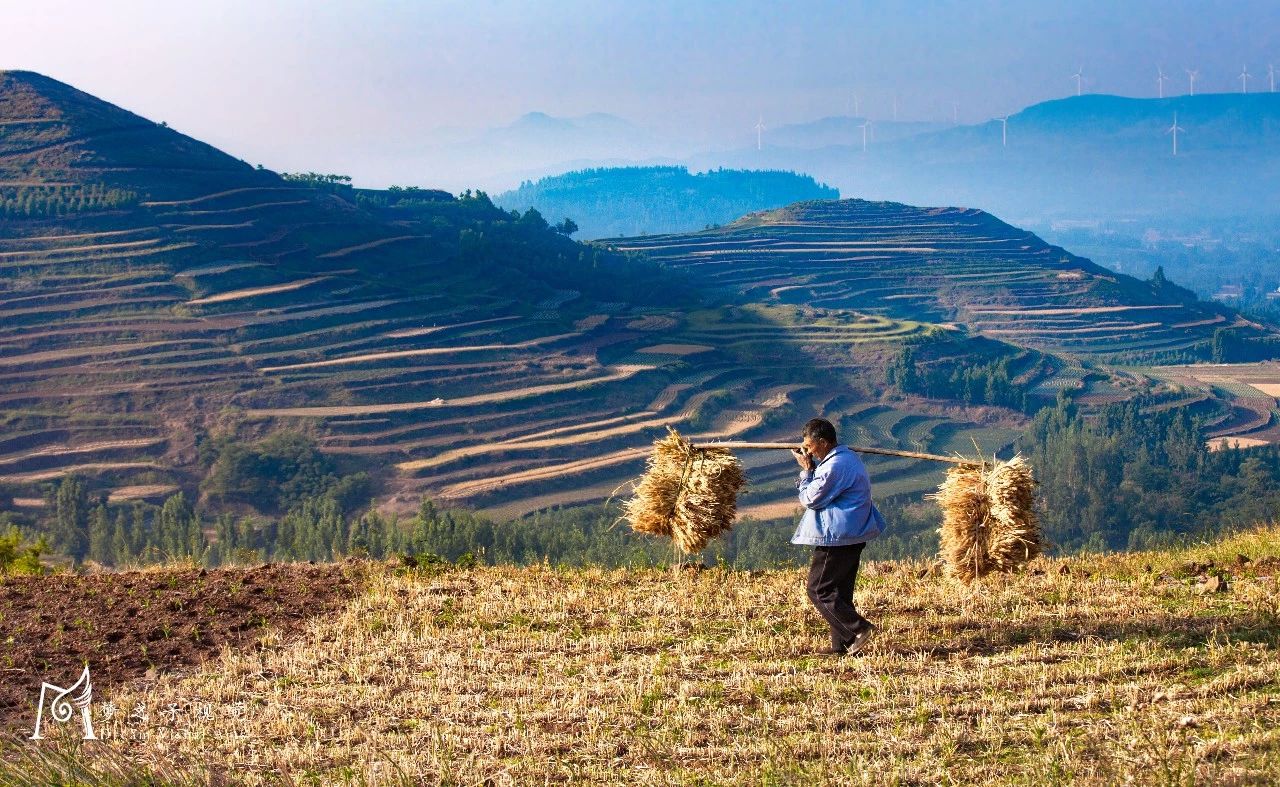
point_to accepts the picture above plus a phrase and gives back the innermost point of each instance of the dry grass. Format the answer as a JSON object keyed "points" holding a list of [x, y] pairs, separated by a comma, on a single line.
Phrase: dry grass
{"points": [[687, 494], [1087, 671], [988, 518]]}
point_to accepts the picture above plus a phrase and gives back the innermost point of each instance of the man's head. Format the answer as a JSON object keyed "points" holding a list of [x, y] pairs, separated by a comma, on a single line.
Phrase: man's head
{"points": [[819, 437]]}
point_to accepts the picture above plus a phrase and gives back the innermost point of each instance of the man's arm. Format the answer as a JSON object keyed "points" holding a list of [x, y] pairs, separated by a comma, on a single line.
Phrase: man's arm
{"points": [[818, 489]]}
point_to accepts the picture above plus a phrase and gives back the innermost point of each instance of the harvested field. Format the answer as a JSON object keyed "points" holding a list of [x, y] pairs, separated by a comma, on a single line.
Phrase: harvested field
{"points": [[618, 373], [538, 342], [254, 292], [932, 265], [142, 492], [675, 349], [91, 468], [373, 244], [653, 677]]}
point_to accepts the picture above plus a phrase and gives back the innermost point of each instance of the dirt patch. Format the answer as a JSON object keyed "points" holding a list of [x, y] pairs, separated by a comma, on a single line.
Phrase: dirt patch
{"points": [[125, 624]]}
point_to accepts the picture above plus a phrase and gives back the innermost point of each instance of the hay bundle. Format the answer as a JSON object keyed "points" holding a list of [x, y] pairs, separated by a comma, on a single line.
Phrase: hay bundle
{"points": [[687, 493], [988, 520]]}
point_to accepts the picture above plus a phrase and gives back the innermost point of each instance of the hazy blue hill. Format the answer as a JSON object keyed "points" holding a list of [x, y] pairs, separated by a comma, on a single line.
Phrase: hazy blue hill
{"points": [[645, 200], [1218, 122], [540, 129], [1084, 156], [532, 146], [844, 130]]}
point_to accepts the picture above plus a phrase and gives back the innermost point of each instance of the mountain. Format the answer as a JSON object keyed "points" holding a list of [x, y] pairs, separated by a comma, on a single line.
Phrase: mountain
{"points": [[537, 136], [944, 265], [160, 298], [58, 137], [532, 146], [845, 130], [172, 319], [645, 200], [1092, 156]]}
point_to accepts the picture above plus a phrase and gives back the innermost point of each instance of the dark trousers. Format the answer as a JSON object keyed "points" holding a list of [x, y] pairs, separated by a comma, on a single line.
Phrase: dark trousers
{"points": [[832, 573]]}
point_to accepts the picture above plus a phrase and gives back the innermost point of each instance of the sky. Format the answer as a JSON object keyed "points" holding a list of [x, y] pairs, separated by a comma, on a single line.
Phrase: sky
{"points": [[355, 87]]}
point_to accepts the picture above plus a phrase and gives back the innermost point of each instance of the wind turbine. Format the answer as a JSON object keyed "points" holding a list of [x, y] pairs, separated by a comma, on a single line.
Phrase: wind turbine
{"points": [[759, 130], [865, 127], [1078, 76], [955, 113], [1271, 74], [855, 105], [1192, 76], [1174, 129], [895, 109], [1245, 76], [1004, 131], [1160, 80]]}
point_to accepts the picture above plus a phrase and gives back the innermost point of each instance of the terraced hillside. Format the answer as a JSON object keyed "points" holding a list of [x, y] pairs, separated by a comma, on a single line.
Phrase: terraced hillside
{"points": [[1238, 403], [156, 293], [948, 265], [158, 297]]}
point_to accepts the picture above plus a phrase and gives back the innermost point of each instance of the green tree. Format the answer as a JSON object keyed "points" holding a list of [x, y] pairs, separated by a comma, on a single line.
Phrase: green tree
{"points": [[100, 536], [71, 519]]}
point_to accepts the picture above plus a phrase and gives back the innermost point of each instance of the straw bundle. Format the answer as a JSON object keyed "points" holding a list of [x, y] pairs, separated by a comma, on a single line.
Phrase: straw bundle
{"points": [[687, 493], [988, 520]]}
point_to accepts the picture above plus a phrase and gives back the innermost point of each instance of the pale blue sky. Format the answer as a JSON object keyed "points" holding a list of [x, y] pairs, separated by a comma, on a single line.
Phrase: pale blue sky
{"points": [[322, 85]]}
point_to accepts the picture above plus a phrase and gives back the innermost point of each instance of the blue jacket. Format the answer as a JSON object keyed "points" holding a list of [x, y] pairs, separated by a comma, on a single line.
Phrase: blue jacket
{"points": [[837, 501]]}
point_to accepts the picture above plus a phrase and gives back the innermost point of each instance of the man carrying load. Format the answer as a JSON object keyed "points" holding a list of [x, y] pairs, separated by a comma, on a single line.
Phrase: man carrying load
{"points": [[838, 521]]}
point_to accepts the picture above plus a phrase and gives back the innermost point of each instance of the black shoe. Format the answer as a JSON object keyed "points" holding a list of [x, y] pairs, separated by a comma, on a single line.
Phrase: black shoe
{"points": [[861, 637]]}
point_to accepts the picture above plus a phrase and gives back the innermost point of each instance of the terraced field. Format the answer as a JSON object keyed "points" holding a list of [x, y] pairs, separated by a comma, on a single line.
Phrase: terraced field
{"points": [[155, 292], [953, 265], [1249, 391]]}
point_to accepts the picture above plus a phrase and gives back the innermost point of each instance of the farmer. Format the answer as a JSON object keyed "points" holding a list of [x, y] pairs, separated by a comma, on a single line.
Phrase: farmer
{"points": [[838, 521]]}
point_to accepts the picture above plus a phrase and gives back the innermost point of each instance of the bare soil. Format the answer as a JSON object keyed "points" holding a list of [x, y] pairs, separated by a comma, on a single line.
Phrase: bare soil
{"points": [[132, 625]]}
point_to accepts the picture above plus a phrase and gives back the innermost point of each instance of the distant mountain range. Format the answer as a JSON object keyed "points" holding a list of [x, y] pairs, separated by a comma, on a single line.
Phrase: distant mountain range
{"points": [[1091, 156], [843, 130], [648, 200], [534, 145], [1083, 157]]}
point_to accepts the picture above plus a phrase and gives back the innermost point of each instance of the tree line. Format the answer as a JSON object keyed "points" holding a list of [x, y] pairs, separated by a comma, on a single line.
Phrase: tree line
{"points": [[40, 202]]}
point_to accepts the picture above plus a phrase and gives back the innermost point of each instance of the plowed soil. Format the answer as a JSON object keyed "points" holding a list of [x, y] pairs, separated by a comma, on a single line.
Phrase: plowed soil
{"points": [[132, 625]]}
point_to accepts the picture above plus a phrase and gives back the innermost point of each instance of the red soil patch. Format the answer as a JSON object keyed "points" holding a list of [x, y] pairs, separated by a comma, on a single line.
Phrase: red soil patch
{"points": [[124, 624]]}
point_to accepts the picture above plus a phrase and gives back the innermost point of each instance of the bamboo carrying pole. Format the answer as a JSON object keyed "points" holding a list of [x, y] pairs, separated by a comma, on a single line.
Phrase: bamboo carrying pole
{"points": [[955, 460]]}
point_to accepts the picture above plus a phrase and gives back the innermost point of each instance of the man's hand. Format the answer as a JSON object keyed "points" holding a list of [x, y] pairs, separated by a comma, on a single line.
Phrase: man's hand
{"points": [[804, 460]]}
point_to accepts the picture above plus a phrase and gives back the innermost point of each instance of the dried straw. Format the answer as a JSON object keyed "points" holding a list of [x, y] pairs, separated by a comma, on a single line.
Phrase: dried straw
{"points": [[988, 518], [687, 493]]}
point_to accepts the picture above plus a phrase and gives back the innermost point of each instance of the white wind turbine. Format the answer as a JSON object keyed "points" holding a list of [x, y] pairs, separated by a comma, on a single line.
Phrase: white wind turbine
{"points": [[895, 109], [759, 131], [1191, 75], [866, 126], [1004, 131], [955, 113], [1245, 76], [1078, 76], [1174, 129], [1160, 80], [1271, 75], [855, 105]]}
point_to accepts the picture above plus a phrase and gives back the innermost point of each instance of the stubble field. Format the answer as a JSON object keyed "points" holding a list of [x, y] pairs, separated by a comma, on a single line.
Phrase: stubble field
{"points": [[1099, 670]]}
